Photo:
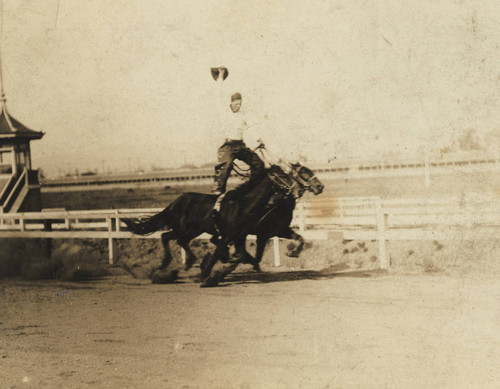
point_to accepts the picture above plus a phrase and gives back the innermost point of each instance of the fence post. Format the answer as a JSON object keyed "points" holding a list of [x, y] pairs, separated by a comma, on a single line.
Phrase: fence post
{"points": [[276, 246], [183, 256], [382, 219], [302, 222], [47, 226], [111, 243]]}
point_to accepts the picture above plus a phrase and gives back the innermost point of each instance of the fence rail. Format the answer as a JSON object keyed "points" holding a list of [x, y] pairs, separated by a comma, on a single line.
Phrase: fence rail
{"points": [[366, 218]]}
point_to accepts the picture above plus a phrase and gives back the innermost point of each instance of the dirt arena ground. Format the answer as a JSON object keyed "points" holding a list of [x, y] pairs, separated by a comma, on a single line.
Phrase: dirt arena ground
{"points": [[325, 320], [277, 329]]}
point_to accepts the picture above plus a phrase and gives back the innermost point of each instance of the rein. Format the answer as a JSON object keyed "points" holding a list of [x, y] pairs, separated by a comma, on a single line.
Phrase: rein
{"points": [[268, 212]]}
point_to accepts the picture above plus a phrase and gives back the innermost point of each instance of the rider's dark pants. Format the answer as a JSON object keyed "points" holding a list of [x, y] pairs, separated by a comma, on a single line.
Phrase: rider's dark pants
{"points": [[227, 153]]}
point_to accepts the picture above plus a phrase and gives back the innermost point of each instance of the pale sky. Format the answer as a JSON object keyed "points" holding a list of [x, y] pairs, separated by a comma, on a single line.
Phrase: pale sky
{"points": [[117, 79]]}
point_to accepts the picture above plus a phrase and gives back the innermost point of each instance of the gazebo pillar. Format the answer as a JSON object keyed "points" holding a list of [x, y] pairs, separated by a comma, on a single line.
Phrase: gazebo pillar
{"points": [[14, 161]]}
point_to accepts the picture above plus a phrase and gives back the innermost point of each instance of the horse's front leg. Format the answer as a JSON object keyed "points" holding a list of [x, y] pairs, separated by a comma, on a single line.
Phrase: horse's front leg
{"points": [[292, 235], [248, 258], [221, 251]]}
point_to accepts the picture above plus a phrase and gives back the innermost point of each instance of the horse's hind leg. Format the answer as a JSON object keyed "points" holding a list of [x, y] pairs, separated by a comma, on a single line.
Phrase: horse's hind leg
{"points": [[166, 237], [190, 257], [224, 251]]}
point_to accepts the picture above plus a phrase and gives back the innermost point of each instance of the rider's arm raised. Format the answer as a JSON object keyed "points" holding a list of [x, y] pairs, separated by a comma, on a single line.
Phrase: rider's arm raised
{"points": [[220, 80]]}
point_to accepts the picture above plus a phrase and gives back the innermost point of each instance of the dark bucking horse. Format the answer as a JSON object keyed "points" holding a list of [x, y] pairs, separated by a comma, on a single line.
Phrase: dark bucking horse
{"points": [[263, 208]]}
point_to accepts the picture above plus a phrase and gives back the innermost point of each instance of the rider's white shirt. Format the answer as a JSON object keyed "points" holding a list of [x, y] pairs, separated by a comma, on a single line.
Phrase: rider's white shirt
{"points": [[234, 124]]}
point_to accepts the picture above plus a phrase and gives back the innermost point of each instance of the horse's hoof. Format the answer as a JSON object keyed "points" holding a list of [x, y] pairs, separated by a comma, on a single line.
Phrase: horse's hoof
{"points": [[210, 282], [256, 267], [164, 276]]}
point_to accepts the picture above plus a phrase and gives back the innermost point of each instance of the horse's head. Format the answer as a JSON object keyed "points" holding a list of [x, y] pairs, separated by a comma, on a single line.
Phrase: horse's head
{"points": [[306, 178]]}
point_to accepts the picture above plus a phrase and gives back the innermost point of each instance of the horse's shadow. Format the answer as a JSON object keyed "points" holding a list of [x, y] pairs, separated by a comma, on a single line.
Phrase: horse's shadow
{"points": [[298, 275]]}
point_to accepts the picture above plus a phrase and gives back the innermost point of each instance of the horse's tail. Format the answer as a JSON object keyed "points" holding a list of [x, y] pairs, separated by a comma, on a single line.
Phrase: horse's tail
{"points": [[148, 225]]}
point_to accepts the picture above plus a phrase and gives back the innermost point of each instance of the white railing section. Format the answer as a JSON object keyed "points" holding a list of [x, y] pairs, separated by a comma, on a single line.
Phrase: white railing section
{"points": [[367, 218]]}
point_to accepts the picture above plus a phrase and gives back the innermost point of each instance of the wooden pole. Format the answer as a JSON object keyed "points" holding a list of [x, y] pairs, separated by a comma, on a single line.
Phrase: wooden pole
{"points": [[276, 246], [13, 157], [111, 243], [2, 95], [382, 219], [48, 241]]}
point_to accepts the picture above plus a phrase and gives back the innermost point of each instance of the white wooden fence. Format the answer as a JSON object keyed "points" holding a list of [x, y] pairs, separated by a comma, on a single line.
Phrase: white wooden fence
{"points": [[370, 218], [99, 224], [367, 218]]}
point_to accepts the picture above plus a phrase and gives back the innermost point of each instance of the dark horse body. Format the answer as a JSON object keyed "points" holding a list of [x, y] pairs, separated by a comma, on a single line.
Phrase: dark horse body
{"points": [[263, 208]]}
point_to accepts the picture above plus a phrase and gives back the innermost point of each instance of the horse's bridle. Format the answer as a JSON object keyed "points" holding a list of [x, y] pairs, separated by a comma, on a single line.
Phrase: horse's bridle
{"points": [[295, 173], [298, 181], [281, 183], [306, 184]]}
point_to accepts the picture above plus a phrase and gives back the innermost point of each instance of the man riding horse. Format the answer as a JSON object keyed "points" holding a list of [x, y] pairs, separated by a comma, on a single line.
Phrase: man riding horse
{"points": [[234, 124], [246, 213], [263, 206]]}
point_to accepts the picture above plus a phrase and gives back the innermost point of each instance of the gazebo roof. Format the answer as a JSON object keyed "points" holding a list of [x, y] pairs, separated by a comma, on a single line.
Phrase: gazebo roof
{"points": [[11, 128]]}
